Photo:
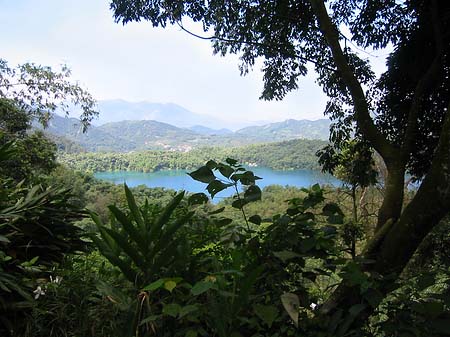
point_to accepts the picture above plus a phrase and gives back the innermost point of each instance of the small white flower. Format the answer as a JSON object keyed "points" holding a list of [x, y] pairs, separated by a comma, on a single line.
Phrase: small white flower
{"points": [[38, 292], [313, 306], [56, 280]]}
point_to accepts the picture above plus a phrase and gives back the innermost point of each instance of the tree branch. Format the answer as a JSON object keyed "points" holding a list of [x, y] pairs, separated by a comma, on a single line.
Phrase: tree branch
{"points": [[363, 119], [254, 43]]}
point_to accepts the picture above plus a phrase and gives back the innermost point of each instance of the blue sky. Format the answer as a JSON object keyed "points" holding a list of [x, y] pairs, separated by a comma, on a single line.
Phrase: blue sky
{"points": [[137, 62]]}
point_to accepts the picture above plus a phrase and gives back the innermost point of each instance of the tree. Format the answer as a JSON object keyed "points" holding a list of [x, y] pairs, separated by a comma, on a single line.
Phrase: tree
{"points": [[35, 154], [39, 91], [403, 115]]}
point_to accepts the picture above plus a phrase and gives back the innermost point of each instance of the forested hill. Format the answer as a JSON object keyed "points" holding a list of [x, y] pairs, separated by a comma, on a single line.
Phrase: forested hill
{"points": [[128, 136], [293, 154]]}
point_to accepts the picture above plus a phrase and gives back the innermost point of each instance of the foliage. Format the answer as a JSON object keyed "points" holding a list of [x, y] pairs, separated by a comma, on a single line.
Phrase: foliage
{"points": [[72, 304], [35, 154], [143, 245], [294, 154], [403, 115], [352, 163], [39, 90], [36, 231]]}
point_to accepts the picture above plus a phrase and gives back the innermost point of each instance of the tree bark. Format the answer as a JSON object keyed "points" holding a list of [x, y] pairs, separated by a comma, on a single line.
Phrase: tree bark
{"points": [[395, 243]]}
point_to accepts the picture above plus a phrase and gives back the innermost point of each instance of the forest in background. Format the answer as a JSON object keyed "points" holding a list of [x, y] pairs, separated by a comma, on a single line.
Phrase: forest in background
{"points": [[288, 155]]}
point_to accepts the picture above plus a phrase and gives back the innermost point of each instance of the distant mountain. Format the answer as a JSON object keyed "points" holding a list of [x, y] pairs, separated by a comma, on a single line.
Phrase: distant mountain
{"points": [[203, 130], [119, 110], [131, 135], [289, 129]]}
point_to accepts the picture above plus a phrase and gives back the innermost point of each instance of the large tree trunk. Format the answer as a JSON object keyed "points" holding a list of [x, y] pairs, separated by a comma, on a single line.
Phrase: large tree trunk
{"points": [[391, 207], [395, 243]]}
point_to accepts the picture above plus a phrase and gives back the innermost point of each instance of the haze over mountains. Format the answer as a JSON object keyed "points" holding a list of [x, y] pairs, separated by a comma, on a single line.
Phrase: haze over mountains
{"points": [[151, 129], [118, 110]]}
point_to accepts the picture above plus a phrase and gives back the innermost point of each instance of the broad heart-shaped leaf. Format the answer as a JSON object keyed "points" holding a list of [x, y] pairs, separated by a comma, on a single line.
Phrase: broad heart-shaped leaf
{"points": [[198, 199], [225, 170], [216, 186], [291, 303], [252, 193], [170, 285], [211, 164], [268, 313], [203, 174], [256, 219]]}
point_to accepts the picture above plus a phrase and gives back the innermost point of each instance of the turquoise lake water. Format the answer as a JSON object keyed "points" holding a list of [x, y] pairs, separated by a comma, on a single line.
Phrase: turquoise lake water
{"points": [[179, 180]]}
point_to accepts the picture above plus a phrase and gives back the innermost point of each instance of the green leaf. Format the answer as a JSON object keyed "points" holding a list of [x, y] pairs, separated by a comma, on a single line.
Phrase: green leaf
{"points": [[123, 243], [203, 174], [201, 287], [285, 255], [4, 239], [154, 285], [211, 164], [291, 304], [268, 313], [252, 193], [188, 309], [307, 244], [331, 209], [198, 199], [256, 219], [216, 186], [172, 309], [223, 222], [134, 208], [151, 318], [239, 203], [132, 231], [163, 219], [217, 211], [226, 170], [170, 285], [231, 161]]}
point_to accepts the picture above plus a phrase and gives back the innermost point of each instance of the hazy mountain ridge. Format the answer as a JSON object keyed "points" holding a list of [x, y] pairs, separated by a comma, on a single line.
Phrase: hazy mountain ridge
{"points": [[132, 135], [114, 111]]}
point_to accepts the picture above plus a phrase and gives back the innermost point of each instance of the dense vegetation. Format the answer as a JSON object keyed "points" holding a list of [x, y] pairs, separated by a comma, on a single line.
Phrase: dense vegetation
{"points": [[402, 114], [142, 135], [293, 154], [80, 257]]}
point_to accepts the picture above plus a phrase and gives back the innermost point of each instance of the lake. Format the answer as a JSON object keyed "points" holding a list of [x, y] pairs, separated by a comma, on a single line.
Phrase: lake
{"points": [[179, 180]]}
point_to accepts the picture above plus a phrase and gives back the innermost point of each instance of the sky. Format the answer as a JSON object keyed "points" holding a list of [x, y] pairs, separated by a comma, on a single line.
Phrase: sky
{"points": [[137, 62]]}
